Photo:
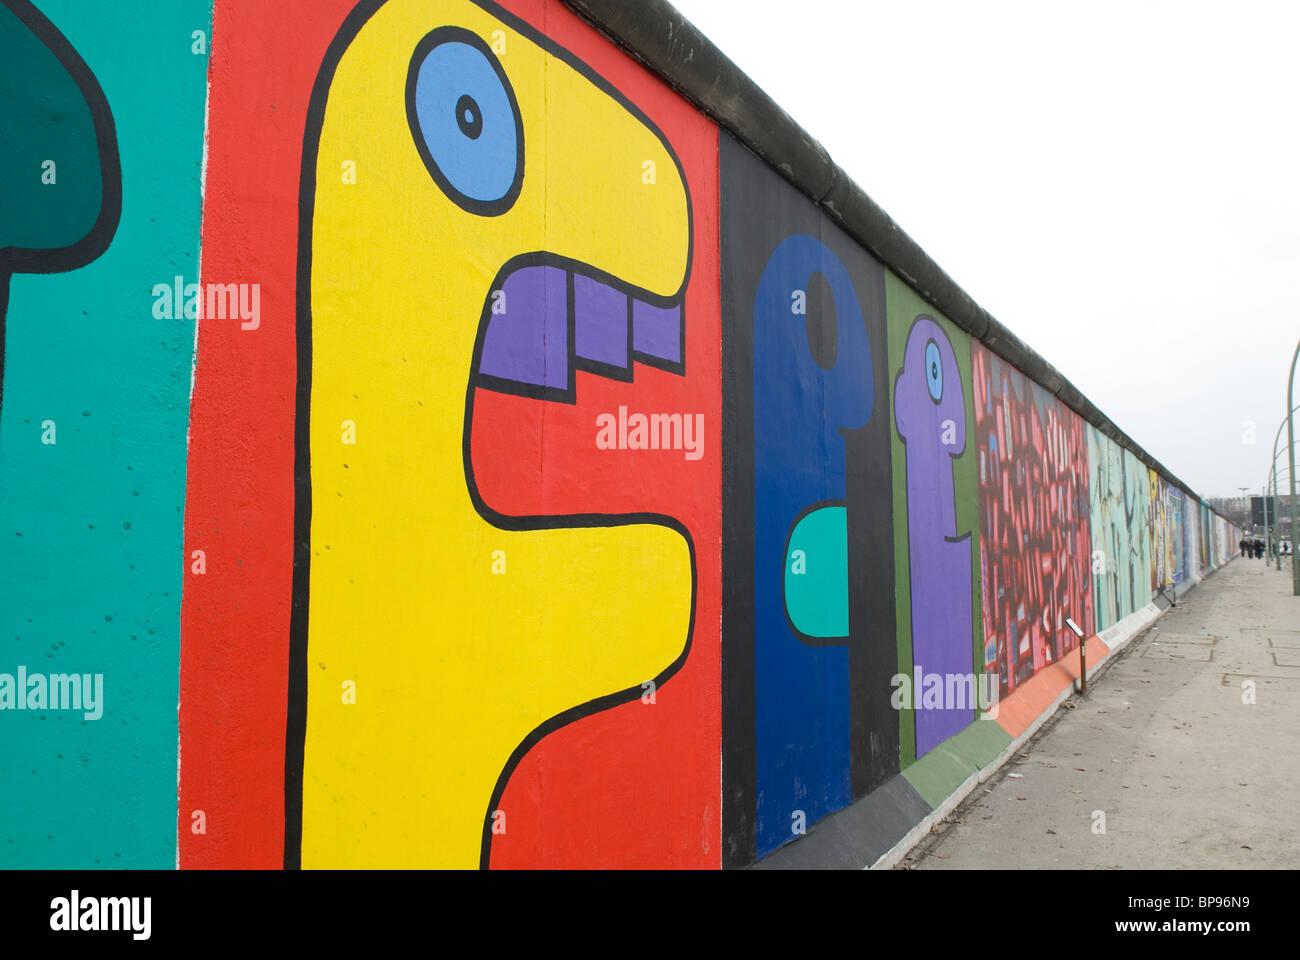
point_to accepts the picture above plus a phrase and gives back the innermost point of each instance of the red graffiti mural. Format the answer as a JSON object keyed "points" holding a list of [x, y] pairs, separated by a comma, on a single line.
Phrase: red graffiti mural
{"points": [[1034, 534]]}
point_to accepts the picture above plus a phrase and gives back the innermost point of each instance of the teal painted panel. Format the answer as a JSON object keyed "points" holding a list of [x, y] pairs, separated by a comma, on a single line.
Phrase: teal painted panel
{"points": [[817, 573], [91, 555]]}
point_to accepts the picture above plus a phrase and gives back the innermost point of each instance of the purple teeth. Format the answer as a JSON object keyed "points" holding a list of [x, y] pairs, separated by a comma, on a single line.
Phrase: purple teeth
{"points": [[527, 341], [657, 331], [600, 323], [527, 336]]}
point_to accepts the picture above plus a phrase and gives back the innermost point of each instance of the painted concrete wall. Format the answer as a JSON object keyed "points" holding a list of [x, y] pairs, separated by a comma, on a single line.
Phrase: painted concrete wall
{"points": [[1195, 536], [1034, 481], [556, 485], [93, 419]]}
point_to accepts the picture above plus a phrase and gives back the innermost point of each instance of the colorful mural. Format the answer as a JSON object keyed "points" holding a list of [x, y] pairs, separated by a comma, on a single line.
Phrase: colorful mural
{"points": [[1159, 510], [931, 416], [1177, 537], [1121, 536], [1206, 538], [1192, 528], [810, 701], [1221, 537], [511, 399], [433, 462], [935, 516], [1034, 510], [398, 540]]}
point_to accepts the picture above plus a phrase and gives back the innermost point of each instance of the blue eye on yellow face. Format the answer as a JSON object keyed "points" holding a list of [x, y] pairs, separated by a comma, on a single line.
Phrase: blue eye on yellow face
{"points": [[465, 120], [934, 371]]}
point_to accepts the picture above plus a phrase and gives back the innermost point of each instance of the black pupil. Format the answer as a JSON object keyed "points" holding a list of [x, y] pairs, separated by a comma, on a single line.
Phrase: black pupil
{"points": [[469, 117], [934, 371]]}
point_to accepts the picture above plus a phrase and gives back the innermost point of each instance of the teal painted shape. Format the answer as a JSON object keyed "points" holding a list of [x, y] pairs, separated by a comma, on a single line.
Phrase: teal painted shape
{"points": [[817, 600], [45, 118], [91, 554]]}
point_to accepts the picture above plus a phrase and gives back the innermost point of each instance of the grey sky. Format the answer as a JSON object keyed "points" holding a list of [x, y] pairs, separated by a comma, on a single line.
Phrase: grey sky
{"points": [[1116, 182]]}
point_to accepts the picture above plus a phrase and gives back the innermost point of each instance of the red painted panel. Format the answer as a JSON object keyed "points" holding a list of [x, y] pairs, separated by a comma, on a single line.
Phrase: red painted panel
{"points": [[239, 497]]}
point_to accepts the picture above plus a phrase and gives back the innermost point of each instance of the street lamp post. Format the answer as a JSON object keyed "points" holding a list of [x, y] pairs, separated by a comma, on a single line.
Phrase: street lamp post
{"points": [[1268, 544], [1272, 479], [1290, 446]]}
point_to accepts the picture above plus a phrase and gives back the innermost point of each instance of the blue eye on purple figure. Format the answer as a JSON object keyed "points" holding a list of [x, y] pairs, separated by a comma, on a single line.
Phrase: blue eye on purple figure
{"points": [[934, 371], [465, 121]]}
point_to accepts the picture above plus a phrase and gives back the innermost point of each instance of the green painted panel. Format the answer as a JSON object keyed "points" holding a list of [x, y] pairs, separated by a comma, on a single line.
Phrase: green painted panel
{"points": [[941, 771]]}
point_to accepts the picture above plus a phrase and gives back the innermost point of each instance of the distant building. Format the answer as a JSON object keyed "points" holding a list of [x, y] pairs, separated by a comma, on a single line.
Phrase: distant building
{"points": [[1235, 509]]}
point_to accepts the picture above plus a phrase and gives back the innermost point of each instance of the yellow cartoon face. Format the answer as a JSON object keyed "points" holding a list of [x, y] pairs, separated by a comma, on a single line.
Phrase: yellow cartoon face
{"points": [[484, 212]]}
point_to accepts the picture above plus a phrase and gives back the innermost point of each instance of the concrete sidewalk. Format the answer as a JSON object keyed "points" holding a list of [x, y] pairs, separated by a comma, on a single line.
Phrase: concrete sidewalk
{"points": [[1162, 754]]}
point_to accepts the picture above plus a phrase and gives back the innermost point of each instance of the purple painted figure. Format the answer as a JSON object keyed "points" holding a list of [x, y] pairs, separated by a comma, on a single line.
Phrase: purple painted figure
{"points": [[930, 414]]}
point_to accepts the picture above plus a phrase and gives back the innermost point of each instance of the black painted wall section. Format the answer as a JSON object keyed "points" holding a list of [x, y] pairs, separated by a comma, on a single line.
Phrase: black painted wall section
{"points": [[759, 210]]}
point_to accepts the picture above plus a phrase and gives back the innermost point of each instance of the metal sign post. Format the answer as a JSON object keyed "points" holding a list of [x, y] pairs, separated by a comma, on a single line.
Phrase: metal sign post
{"points": [[1083, 655]]}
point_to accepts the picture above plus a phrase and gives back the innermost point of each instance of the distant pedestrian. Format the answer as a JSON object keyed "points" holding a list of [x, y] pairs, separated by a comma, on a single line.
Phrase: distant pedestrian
{"points": [[1242, 546], [1259, 549]]}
